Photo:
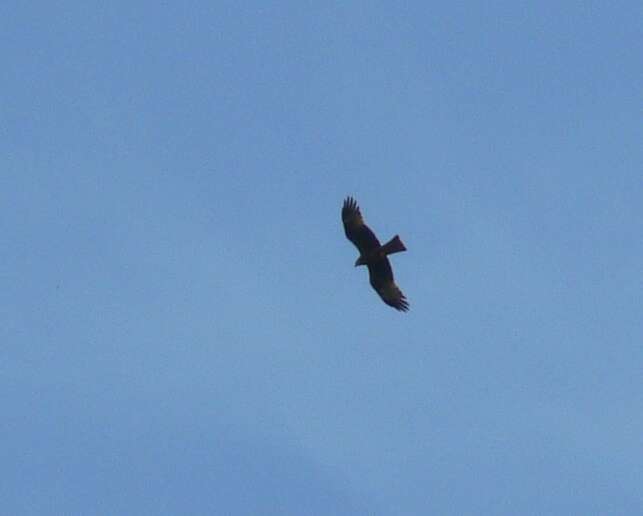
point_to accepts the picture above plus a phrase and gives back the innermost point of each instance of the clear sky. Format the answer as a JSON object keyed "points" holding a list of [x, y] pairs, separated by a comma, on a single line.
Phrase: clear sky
{"points": [[181, 325]]}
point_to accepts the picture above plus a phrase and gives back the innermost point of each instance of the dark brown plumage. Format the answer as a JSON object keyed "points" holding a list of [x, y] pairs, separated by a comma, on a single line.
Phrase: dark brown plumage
{"points": [[374, 255]]}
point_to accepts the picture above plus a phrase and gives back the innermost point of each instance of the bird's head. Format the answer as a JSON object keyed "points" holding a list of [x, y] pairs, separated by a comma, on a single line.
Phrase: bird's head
{"points": [[360, 261]]}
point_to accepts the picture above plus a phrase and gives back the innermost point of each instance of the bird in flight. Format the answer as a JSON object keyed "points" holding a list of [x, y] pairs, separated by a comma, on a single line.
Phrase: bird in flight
{"points": [[374, 255]]}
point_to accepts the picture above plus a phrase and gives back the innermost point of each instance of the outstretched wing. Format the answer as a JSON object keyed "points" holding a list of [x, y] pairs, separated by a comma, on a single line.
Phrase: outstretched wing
{"points": [[381, 277], [356, 231]]}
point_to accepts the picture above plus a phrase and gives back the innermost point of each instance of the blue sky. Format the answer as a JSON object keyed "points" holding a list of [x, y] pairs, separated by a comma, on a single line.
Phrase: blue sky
{"points": [[182, 328]]}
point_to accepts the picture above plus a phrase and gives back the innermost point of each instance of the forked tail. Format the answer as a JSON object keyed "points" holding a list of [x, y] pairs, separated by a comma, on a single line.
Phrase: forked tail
{"points": [[394, 245]]}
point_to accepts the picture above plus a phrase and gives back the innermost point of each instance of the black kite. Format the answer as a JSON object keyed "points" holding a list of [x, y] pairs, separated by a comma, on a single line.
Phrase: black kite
{"points": [[373, 255]]}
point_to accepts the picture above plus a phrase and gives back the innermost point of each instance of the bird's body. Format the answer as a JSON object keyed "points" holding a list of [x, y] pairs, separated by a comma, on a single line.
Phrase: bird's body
{"points": [[374, 255]]}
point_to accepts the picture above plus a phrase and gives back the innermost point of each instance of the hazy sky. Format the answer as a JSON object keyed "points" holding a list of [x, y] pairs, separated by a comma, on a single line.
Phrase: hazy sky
{"points": [[181, 325]]}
